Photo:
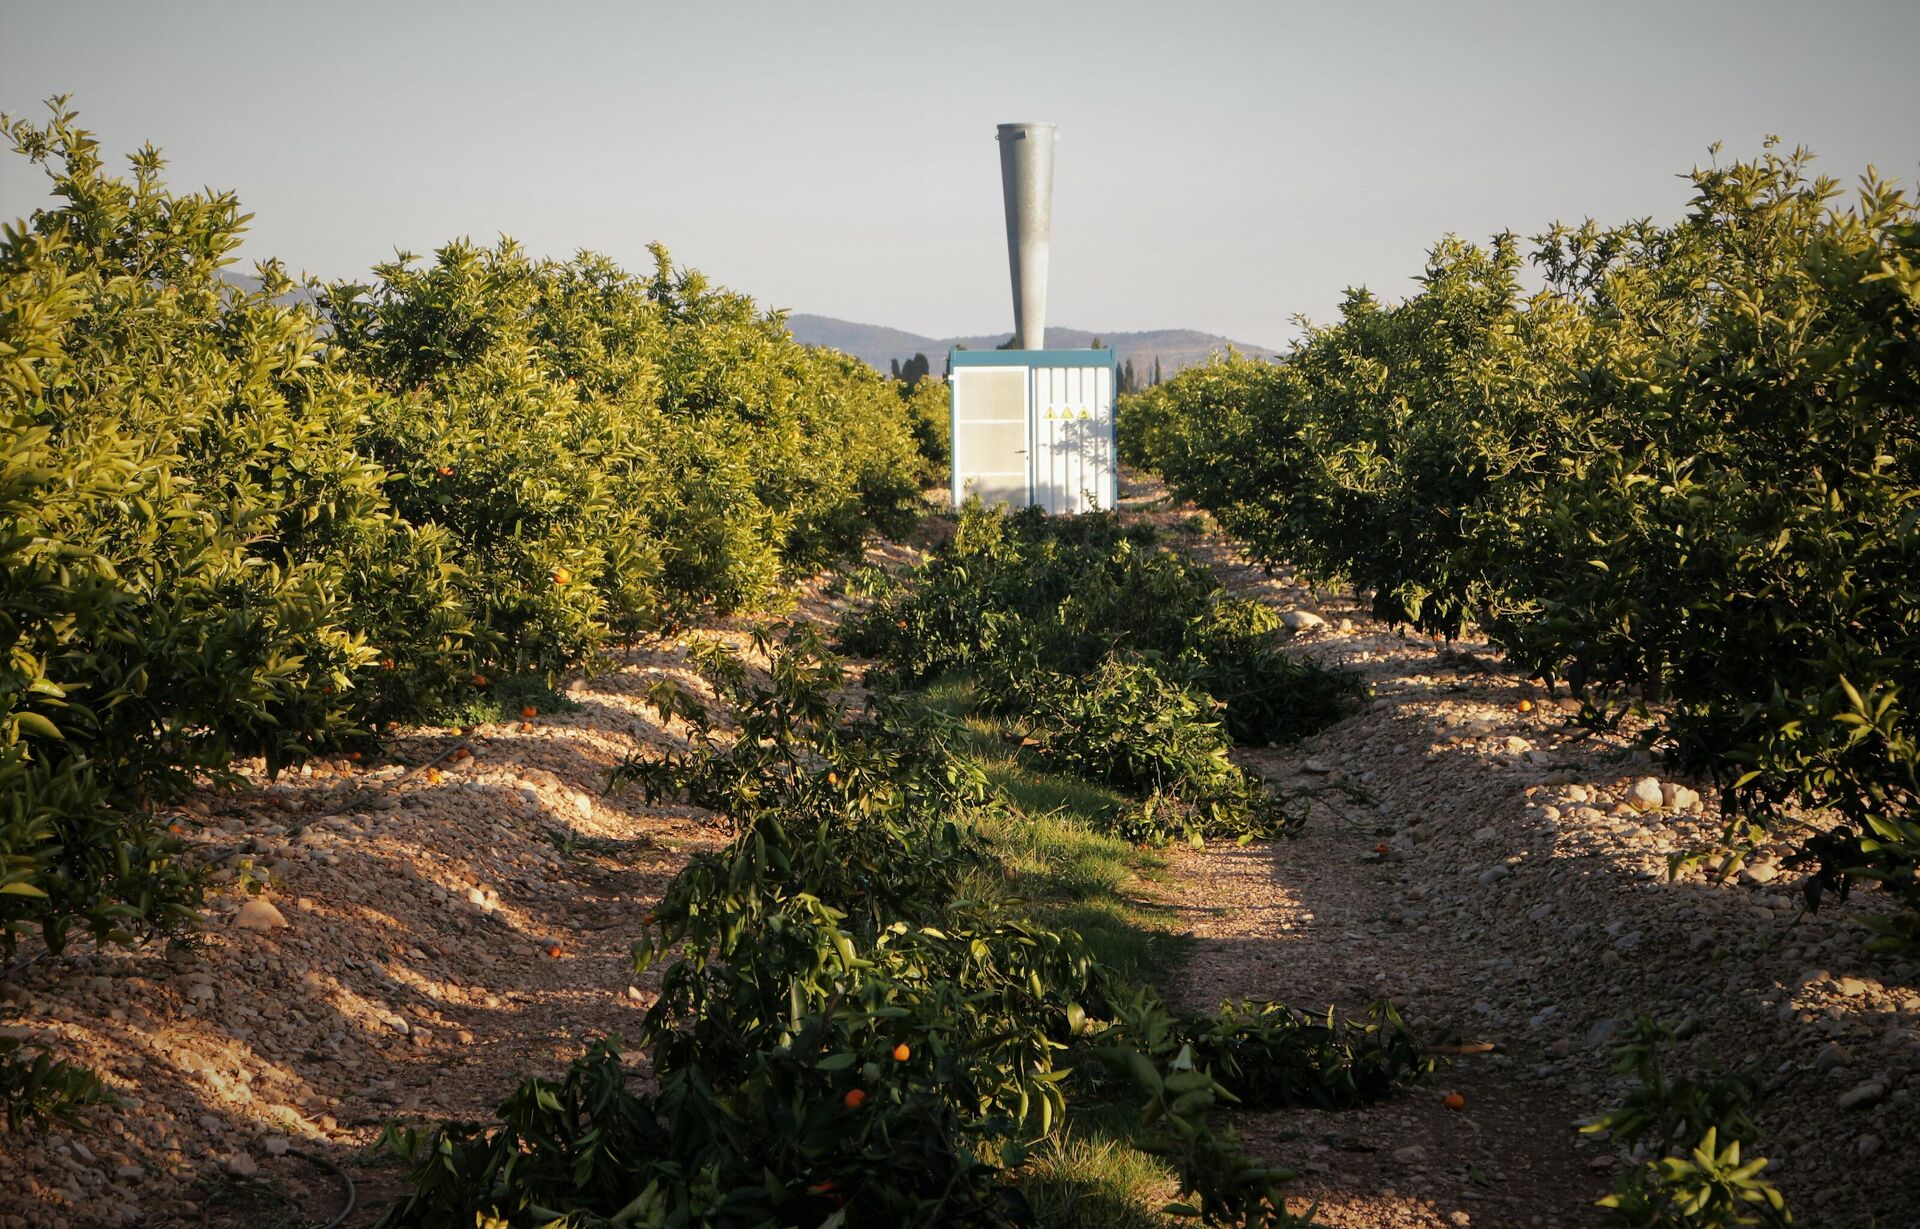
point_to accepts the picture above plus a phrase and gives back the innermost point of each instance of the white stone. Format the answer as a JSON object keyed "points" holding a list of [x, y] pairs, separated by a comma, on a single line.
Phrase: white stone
{"points": [[1301, 620], [1646, 795], [259, 915], [240, 1165]]}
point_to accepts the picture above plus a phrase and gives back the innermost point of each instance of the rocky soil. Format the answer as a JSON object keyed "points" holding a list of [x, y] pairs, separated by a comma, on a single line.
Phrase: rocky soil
{"points": [[1503, 874]]}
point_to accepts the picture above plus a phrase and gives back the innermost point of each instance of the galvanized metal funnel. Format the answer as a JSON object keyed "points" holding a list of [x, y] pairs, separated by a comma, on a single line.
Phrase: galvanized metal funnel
{"points": [[1026, 180]]}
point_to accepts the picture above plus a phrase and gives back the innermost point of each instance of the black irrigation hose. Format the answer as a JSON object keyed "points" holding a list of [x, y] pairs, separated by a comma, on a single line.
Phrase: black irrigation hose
{"points": [[340, 1218], [7, 973]]}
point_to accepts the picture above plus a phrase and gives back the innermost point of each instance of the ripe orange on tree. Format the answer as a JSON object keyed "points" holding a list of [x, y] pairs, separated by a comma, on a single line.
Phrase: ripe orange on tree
{"points": [[855, 1098], [529, 711], [902, 1052], [561, 576]]}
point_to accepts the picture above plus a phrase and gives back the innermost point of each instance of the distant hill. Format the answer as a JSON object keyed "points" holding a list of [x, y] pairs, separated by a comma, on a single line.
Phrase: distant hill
{"points": [[879, 346]]}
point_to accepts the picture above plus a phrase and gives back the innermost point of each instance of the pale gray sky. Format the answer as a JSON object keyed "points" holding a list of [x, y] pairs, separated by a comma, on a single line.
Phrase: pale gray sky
{"points": [[1221, 166]]}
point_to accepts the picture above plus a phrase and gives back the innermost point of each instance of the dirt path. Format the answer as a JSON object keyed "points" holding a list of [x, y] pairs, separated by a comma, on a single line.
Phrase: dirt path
{"points": [[1307, 925], [1487, 868]]}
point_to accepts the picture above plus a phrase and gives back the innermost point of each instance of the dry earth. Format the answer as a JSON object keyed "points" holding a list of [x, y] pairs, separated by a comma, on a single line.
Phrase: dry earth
{"points": [[449, 929]]}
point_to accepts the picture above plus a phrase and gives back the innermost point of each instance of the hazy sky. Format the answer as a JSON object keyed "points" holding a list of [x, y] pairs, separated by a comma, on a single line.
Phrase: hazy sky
{"points": [[1221, 166]]}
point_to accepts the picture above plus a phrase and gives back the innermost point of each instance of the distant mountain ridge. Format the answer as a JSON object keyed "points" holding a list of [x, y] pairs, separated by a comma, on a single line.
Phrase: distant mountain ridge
{"points": [[880, 346]]}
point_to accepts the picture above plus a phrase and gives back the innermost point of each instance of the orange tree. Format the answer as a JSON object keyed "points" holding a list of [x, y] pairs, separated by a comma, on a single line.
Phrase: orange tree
{"points": [[1683, 477], [239, 520]]}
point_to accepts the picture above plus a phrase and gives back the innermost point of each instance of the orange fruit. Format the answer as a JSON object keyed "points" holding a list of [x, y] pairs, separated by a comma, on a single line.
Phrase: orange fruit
{"points": [[387, 663], [462, 753], [433, 776], [902, 1052], [1454, 1101], [354, 757], [479, 680], [1383, 847], [554, 951], [822, 1188], [833, 778], [526, 727], [1525, 706], [529, 711], [561, 576], [855, 1098], [446, 471]]}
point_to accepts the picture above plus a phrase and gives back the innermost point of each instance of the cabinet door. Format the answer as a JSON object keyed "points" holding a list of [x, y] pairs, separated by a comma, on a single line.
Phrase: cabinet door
{"points": [[1073, 438], [990, 437]]}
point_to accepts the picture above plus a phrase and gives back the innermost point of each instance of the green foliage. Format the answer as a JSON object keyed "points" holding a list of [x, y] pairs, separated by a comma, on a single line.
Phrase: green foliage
{"points": [[779, 1147], [1269, 695], [1683, 477], [1696, 1181], [41, 1090], [1263, 1056], [850, 916], [1274, 1056], [1126, 725], [656, 441], [856, 879], [1108, 652], [929, 403]]}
